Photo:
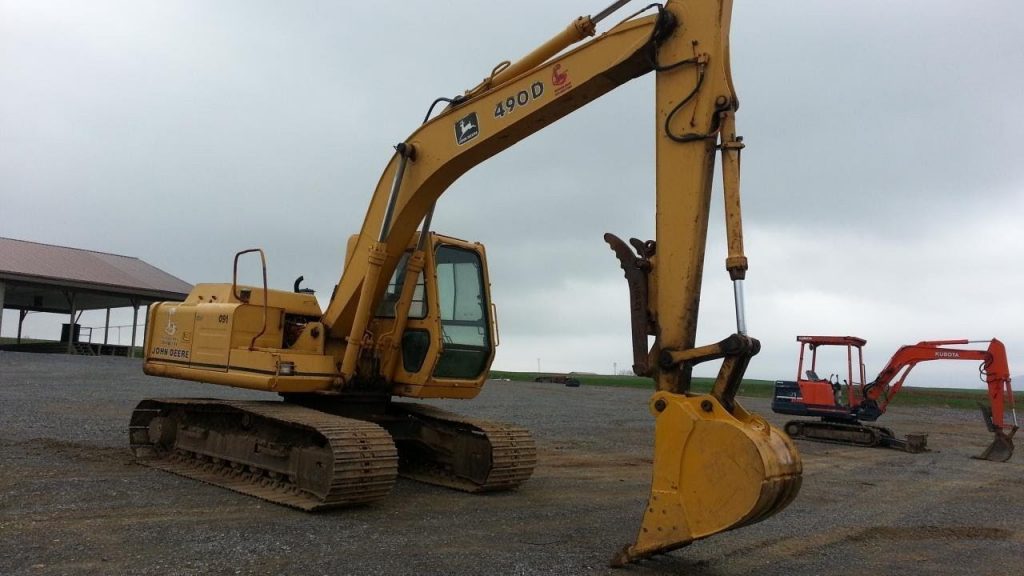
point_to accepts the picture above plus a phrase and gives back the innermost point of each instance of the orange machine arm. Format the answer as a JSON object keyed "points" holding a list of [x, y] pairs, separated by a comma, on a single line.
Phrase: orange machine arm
{"points": [[994, 370], [686, 43]]}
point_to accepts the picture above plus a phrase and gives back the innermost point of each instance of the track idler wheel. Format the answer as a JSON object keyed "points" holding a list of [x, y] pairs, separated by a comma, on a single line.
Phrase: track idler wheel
{"points": [[713, 471]]}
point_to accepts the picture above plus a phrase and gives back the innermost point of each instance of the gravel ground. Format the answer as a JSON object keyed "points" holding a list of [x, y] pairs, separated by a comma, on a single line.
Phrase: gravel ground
{"points": [[73, 502]]}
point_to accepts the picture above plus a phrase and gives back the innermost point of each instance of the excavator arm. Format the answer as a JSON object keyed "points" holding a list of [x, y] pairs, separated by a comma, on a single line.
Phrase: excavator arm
{"points": [[994, 371]]}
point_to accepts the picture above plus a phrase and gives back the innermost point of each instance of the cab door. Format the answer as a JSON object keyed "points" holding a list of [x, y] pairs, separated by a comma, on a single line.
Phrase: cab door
{"points": [[464, 314], [448, 343]]}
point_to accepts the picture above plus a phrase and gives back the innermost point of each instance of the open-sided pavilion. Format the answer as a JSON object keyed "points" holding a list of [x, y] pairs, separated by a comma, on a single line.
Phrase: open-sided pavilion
{"points": [[38, 277]]}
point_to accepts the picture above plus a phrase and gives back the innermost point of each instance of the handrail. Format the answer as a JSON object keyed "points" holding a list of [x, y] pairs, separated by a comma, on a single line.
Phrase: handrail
{"points": [[494, 325], [238, 295]]}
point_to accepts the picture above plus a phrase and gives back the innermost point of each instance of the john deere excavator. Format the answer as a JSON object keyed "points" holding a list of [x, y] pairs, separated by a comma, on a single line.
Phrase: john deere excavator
{"points": [[412, 315], [844, 407]]}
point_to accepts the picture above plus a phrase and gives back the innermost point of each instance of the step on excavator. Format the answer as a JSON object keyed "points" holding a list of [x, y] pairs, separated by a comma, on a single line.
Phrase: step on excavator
{"points": [[842, 408], [412, 317]]}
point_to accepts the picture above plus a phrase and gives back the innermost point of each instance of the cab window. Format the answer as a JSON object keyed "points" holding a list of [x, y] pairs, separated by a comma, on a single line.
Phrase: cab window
{"points": [[418, 306], [462, 302]]}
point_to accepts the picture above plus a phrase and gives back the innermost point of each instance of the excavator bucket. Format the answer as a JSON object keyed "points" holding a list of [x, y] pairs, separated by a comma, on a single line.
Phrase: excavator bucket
{"points": [[713, 471], [1001, 448]]}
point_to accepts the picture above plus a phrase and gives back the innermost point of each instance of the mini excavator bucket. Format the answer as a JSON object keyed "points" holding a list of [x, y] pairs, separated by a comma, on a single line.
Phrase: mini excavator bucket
{"points": [[713, 471], [1001, 448]]}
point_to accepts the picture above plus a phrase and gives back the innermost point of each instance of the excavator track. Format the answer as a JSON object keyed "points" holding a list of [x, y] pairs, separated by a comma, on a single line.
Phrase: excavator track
{"points": [[855, 434], [275, 451], [468, 454]]}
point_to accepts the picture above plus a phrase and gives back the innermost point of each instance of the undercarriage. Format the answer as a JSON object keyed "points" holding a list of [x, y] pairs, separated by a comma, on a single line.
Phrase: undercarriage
{"points": [[328, 456], [855, 433]]}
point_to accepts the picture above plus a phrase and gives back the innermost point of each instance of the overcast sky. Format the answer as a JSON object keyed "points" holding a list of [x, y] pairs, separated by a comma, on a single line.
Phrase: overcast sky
{"points": [[883, 186]]}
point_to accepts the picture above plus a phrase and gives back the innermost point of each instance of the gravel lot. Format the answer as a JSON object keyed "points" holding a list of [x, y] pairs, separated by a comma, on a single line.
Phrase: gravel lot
{"points": [[73, 502]]}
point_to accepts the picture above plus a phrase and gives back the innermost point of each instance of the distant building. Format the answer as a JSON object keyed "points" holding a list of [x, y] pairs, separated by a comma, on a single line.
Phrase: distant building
{"points": [[38, 277]]}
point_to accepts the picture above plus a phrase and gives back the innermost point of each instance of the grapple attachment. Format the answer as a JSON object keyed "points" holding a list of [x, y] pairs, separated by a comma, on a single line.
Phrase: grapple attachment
{"points": [[713, 471]]}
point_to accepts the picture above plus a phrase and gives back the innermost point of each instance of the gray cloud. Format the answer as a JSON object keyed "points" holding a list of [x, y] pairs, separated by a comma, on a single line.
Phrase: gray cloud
{"points": [[882, 190]]}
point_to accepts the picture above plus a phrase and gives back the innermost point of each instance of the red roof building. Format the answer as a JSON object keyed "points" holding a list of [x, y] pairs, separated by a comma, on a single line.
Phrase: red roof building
{"points": [[38, 277]]}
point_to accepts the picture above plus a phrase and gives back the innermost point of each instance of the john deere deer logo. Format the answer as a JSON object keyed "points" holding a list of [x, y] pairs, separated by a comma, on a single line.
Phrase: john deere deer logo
{"points": [[466, 129], [171, 327]]}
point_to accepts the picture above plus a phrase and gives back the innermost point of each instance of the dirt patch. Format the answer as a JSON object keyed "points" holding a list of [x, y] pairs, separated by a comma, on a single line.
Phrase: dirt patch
{"points": [[902, 534]]}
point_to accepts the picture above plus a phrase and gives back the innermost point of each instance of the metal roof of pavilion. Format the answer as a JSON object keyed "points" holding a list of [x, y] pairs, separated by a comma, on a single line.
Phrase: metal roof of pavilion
{"points": [[39, 277]]}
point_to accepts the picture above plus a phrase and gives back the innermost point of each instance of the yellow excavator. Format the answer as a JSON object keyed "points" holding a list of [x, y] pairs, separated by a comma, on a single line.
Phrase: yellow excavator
{"points": [[412, 315]]}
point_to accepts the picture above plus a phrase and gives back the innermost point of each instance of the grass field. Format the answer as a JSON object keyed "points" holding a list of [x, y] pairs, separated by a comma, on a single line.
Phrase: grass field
{"points": [[9, 340], [946, 397], [751, 388]]}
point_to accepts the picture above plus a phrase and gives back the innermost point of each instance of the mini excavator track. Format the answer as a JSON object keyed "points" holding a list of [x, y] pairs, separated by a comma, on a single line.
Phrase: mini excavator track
{"points": [[855, 434], [276, 451]]}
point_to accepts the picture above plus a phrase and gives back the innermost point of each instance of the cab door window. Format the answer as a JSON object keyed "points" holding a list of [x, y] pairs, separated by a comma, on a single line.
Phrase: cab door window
{"points": [[462, 303]]}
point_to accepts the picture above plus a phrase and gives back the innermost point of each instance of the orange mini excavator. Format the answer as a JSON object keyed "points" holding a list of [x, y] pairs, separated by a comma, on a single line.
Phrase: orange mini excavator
{"points": [[842, 407]]}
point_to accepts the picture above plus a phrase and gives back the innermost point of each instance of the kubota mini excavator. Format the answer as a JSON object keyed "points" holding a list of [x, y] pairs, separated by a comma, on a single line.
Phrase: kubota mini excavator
{"points": [[412, 314], [842, 407]]}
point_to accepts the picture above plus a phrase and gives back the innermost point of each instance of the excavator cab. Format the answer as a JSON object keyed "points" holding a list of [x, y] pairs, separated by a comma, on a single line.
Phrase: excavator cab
{"points": [[811, 394], [444, 321]]}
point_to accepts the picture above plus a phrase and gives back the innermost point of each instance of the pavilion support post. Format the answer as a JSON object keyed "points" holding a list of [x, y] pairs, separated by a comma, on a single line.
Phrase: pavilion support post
{"points": [[71, 326], [135, 320], [106, 328], [3, 289], [21, 320]]}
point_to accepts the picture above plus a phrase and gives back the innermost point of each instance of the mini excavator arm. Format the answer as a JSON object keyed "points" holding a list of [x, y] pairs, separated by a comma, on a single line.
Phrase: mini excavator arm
{"points": [[994, 371]]}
